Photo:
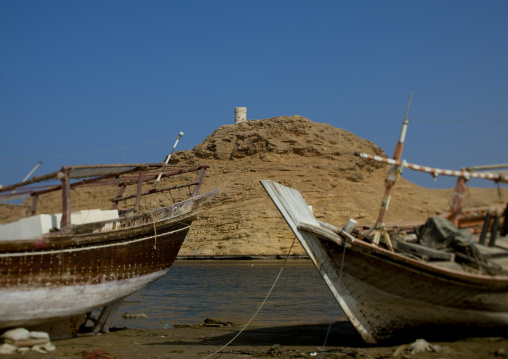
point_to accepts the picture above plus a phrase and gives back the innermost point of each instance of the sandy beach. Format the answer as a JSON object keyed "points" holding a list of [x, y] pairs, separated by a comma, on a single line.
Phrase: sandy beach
{"points": [[300, 341]]}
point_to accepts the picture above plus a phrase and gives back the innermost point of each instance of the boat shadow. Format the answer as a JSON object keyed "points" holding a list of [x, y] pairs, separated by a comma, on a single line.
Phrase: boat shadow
{"points": [[339, 334]]}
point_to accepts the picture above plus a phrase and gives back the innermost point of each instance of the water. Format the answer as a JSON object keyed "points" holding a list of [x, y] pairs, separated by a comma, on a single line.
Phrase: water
{"points": [[232, 291]]}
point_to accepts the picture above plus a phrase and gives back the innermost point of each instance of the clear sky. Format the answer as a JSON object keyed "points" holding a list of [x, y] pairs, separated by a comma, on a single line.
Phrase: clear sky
{"points": [[88, 82]]}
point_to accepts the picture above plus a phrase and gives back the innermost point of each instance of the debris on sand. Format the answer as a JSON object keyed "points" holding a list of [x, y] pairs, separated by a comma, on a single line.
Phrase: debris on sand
{"points": [[98, 354], [419, 346], [134, 315], [276, 351], [208, 322], [21, 340]]}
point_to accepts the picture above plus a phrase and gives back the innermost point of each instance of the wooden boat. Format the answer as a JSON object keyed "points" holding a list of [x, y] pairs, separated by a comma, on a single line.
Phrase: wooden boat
{"points": [[55, 268], [405, 292], [401, 282]]}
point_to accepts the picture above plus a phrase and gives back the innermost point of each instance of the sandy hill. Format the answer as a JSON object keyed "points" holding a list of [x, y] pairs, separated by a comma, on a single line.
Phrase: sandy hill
{"points": [[316, 159]]}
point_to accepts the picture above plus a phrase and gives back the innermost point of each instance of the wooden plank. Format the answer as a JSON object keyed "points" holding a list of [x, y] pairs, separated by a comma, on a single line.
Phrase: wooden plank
{"points": [[291, 204], [420, 250], [321, 231], [65, 222], [106, 317]]}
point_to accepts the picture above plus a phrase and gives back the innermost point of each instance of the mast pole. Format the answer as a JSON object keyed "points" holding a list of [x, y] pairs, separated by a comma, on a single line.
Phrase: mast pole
{"points": [[32, 171], [393, 176], [167, 159], [397, 154]]}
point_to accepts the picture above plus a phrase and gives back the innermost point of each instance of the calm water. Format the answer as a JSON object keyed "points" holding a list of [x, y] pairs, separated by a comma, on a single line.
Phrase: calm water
{"points": [[232, 291]]}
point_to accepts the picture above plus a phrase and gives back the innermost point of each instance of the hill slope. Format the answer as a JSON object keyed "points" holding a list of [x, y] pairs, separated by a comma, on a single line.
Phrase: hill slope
{"points": [[316, 159]]}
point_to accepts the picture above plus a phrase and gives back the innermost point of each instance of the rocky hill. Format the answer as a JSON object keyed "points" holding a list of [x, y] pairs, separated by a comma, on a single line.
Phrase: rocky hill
{"points": [[316, 159]]}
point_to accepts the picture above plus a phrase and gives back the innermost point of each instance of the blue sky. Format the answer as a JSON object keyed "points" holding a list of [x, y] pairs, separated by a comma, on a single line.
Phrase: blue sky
{"points": [[86, 82]]}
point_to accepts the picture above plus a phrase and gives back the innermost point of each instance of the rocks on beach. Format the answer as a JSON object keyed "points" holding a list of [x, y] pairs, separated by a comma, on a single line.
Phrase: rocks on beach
{"points": [[134, 315], [21, 340]]}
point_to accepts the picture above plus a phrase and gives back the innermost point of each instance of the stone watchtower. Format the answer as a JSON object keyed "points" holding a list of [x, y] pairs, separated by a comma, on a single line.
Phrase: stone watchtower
{"points": [[240, 114]]}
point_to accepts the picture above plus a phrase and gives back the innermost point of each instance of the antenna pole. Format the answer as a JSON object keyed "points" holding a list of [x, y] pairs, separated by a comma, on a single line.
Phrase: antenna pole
{"points": [[167, 159], [32, 171]]}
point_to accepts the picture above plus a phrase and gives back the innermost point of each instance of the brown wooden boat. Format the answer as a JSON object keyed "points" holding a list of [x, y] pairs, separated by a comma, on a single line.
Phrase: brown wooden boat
{"points": [[406, 291], [406, 281], [55, 268]]}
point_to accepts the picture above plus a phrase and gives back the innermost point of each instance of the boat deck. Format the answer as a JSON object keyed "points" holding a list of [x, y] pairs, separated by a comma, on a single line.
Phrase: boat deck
{"points": [[497, 254]]}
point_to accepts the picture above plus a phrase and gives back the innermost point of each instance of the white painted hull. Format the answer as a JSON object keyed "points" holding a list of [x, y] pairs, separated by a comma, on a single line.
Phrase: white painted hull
{"points": [[32, 306], [74, 274]]}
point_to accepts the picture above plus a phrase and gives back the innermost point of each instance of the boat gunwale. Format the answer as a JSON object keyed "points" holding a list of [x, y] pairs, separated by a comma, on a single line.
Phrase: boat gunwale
{"points": [[56, 175], [420, 266], [58, 240], [94, 245]]}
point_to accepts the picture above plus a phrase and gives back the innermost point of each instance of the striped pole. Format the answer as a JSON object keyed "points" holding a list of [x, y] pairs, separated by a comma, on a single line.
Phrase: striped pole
{"points": [[397, 154], [437, 171], [167, 159], [393, 176], [457, 202]]}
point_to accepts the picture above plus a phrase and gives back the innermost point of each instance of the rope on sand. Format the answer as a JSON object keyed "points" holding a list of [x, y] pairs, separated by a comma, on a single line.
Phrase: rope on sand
{"points": [[260, 306]]}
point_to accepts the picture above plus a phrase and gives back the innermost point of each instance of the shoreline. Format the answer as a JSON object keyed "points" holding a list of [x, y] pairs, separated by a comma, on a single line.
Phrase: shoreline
{"points": [[293, 341]]}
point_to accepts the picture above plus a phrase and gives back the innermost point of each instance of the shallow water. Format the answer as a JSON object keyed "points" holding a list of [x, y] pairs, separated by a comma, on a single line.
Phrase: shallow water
{"points": [[232, 291]]}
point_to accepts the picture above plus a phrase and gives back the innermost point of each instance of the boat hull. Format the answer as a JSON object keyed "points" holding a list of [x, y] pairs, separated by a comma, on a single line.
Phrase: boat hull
{"points": [[51, 285], [63, 275], [387, 299], [387, 296]]}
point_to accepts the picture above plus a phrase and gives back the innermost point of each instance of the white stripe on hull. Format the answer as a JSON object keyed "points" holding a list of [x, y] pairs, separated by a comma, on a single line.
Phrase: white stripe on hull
{"points": [[32, 306]]}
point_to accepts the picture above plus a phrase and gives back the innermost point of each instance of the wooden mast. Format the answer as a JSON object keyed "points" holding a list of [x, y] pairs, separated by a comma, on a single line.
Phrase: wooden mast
{"points": [[393, 176]]}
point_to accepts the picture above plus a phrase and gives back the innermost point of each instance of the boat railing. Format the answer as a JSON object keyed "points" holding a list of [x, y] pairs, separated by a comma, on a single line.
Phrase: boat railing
{"points": [[152, 175], [133, 219], [177, 181]]}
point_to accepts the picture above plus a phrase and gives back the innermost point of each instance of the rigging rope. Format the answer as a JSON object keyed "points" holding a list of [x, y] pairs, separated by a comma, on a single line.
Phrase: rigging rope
{"points": [[462, 121], [259, 308], [85, 153]]}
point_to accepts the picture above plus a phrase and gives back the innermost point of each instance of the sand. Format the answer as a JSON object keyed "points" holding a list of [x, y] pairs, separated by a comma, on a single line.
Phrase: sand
{"points": [[302, 341]]}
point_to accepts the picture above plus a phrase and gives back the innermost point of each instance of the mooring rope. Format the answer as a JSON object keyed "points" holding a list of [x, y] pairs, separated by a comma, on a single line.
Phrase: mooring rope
{"points": [[322, 349], [335, 304], [259, 308]]}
